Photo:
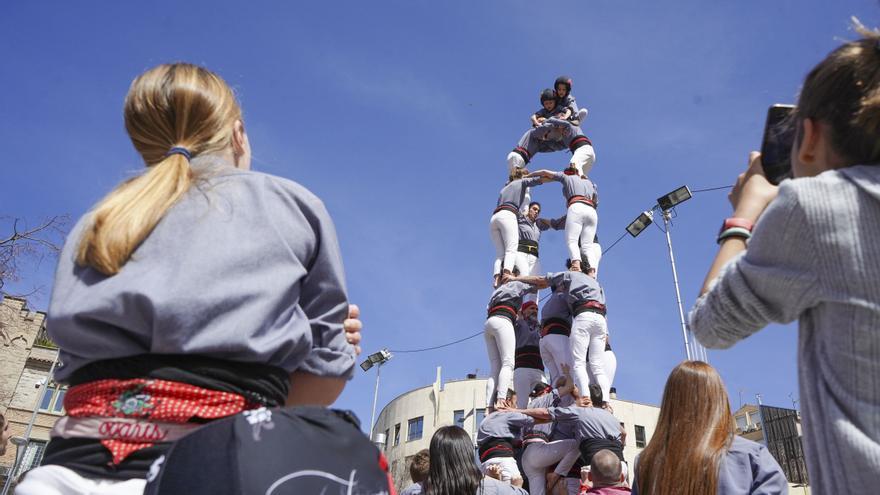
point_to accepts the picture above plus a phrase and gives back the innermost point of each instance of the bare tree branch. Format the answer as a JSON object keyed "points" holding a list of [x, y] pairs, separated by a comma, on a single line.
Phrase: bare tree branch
{"points": [[30, 246]]}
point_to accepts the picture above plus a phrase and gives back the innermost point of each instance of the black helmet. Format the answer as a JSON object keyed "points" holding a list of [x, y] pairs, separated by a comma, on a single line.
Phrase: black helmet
{"points": [[563, 80], [548, 95]]}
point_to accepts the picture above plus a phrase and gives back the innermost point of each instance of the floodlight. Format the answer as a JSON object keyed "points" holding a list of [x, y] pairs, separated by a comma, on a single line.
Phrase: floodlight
{"points": [[375, 358], [640, 223], [680, 195]]}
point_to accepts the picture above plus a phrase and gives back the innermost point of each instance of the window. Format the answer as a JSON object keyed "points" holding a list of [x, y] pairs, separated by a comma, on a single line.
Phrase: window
{"points": [[481, 413], [53, 399], [755, 418], [387, 440], [414, 429], [640, 437], [458, 418], [397, 434], [742, 423], [33, 456]]}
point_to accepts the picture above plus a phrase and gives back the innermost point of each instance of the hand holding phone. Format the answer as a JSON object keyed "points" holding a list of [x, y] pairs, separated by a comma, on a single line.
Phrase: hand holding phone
{"points": [[777, 144]]}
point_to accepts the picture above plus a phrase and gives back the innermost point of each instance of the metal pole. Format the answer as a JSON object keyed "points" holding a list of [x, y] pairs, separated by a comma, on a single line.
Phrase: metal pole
{"points": [[375, 399], [684, 329], [30, 426]]}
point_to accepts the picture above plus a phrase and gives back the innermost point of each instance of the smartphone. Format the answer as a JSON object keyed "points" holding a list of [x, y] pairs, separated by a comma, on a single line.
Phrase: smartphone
{"points": [[778, 141]]}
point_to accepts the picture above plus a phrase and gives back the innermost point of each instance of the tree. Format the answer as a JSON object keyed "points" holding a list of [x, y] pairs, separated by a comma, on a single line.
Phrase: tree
{"points": [[29, 245], [22, 247]]}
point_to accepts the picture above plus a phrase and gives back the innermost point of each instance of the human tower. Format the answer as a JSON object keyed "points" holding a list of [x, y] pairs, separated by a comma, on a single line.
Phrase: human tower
{"points": [[570, 341], [572, 332]]}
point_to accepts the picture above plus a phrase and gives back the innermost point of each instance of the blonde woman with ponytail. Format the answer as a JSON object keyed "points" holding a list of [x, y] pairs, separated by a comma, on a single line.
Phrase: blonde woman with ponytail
{"points": [[814, 256], [192, 292]]}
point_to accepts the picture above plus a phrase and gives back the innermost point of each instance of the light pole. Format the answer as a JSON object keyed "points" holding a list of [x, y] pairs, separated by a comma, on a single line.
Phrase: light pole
{"points": [[665, 204], [376, 359], [25, 439]]}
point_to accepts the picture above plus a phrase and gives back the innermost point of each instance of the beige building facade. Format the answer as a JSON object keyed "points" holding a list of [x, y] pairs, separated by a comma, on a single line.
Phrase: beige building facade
{"points": [[26, 356], [410, 419]]}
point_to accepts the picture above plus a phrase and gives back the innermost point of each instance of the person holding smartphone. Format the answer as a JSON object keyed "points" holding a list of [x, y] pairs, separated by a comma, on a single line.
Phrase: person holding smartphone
{"points": [[813, 255]]}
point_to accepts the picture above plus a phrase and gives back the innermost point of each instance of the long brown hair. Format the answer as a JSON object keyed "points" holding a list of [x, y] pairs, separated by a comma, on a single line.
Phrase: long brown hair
{"points": [[843, 91], [693, 433], [167, 106]]}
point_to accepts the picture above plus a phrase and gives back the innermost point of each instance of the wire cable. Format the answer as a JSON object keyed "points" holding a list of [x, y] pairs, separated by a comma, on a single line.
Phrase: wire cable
{"points": [[711, 189], [605, 251], [437, 346]]}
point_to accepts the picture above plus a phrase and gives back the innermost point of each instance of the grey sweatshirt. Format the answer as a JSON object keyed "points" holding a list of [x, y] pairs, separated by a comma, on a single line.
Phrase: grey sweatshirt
{"points": [[579, 286], [516, 191], [747, 469], [531, 231], [244, 267], [503, 424], [815, 256], [574, 185]]}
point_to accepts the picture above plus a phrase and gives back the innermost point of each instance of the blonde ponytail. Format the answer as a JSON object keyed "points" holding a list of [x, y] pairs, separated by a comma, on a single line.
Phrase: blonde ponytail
{"points": [[170, 105]]}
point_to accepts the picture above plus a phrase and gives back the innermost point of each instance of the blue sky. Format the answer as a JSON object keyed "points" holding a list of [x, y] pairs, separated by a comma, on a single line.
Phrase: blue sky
{"points": [[399, 114]]}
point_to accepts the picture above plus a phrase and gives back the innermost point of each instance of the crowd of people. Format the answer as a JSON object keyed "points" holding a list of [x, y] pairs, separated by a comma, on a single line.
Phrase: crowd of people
{"points": [[200, 360]]}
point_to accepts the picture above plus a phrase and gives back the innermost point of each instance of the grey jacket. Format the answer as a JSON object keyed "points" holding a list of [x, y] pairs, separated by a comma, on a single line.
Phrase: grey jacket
{"points": [[746, 469], [244, 267], [814, 256]]}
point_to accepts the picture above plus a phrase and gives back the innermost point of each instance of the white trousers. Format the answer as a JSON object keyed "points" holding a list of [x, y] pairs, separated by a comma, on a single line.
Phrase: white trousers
{"points": [[583, 159], [58, 480], [500, 345], [610, 360], [509, 470], [524, 380], [504, 231], [555, 351], [580, 230], [589, 330], [528, 264], [539, 456], [594, 255], [514, 161]]}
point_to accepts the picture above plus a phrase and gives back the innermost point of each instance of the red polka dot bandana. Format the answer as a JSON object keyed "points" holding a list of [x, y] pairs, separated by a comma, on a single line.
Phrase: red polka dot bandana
{"points": [[149, 400]]}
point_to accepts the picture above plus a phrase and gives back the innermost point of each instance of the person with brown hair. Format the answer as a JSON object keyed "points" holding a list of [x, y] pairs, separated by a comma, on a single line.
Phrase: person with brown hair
{"points": [[814, 256], [418, 472], [695, 449], [192, 292]]}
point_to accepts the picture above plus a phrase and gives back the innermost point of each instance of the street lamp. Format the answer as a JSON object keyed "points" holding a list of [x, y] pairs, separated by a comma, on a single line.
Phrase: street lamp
{"points": [[665, 204], [376, 359]]}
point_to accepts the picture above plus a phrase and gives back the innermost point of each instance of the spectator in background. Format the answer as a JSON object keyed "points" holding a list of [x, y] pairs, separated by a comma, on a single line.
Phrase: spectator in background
{"points": [[814, 257], [418, 471], [694, 449], [452, 470], [606, 474]]}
